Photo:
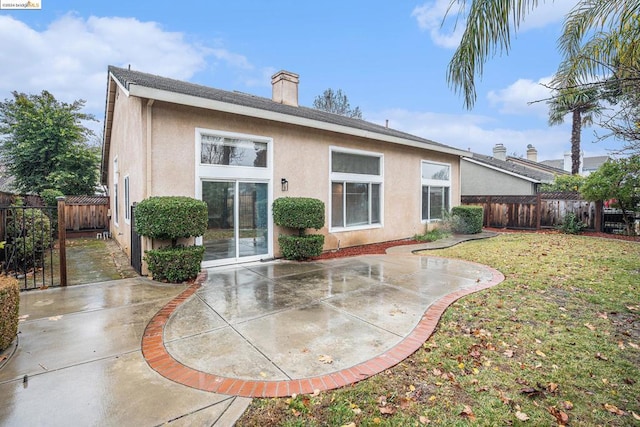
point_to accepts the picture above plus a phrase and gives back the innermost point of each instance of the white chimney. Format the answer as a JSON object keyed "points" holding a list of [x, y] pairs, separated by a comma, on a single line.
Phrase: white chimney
{"points": [[500, 152], [285, 88], [567, 162], [532, 153]]}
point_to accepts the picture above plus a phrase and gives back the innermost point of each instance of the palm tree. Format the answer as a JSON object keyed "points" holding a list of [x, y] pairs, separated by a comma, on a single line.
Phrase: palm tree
{"points": [[490, 23], [583, 105]]}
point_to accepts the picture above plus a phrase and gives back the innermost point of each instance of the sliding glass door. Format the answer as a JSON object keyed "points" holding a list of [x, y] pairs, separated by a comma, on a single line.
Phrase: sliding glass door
{"points": [[238, 227]]}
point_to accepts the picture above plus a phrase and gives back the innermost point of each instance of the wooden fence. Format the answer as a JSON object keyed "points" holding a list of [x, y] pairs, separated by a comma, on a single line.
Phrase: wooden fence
{"points": [[86, 213], [543, 210]]}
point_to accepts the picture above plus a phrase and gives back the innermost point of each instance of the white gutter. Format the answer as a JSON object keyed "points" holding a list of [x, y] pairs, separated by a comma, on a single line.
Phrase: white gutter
{"points": [[195, 101]]}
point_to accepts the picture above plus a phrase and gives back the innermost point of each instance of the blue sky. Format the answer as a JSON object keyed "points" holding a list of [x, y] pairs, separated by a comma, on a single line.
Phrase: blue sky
{"points": [[390, 58]]}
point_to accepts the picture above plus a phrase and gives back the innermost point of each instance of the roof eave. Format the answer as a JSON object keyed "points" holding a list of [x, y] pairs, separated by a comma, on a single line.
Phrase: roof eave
{"points": [[517, 175], [194, 101]]}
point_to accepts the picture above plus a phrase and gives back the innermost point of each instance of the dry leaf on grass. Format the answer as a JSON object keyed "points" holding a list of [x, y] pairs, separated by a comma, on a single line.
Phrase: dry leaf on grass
{"points": [[614, 409], [590, 326], [561, 417], [522, 416], [467, 412]]}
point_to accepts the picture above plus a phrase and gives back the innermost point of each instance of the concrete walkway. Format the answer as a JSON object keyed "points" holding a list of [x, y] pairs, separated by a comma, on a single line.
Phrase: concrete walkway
{"points": [[137, 352]]}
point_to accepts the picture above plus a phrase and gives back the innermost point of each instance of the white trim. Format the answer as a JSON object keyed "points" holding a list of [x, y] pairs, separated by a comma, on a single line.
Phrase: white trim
{"points": [[345, 178], [506, 172], [195, 101], [127, 199], [237, 174], [434, 183]]}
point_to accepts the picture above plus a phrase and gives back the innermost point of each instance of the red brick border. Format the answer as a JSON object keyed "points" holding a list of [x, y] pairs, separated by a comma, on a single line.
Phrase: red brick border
{"points": [[161, 361]]}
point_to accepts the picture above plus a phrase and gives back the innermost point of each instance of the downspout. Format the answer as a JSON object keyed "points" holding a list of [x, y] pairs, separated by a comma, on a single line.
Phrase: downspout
{"points": [[147, 187], [147, 243]]}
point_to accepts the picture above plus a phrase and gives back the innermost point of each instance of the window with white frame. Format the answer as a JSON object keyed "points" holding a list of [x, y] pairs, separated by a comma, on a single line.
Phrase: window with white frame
{"points": [[436, 190], [227, 151], [356, 189], [116, 177], [127, 206]]}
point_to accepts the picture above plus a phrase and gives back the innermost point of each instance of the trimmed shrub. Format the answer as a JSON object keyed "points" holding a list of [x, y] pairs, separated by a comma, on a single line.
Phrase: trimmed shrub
{"points": [[9, 308], [467, 219], [571, 224], [301, 247], [171, 218], [174, 264], [299, 213]]}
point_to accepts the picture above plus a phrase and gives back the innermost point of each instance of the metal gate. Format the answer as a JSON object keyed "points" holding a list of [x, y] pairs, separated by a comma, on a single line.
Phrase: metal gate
{"points": [[136, 244], [28, 234]]}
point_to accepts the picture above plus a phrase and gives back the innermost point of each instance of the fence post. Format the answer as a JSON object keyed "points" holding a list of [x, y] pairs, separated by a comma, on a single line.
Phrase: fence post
{"points": [[538, 211], [599, 217], [62, 240]]}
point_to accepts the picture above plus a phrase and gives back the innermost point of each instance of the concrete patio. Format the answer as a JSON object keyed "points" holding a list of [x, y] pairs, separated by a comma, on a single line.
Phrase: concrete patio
{"points": [[137, 352]]}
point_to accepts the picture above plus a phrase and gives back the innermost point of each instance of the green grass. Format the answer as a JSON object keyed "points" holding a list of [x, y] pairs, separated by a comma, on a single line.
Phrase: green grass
{"points": [[560, 335]]}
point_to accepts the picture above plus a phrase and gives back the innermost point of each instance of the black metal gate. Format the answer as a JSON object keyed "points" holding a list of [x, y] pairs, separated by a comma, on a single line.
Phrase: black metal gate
{"points": [[28, 236], [136, 244]]}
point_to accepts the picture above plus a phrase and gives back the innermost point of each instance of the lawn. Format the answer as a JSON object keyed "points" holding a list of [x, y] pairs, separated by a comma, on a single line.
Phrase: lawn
{"points": [[556, 343]]}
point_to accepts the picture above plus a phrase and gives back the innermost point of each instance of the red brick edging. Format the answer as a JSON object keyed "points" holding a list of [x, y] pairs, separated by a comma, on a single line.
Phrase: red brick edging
{"points": [[161, 361]]}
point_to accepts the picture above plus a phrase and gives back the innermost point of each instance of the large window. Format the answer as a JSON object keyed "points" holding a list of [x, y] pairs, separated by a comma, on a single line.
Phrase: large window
{"points": [[436, 189], [220, 150], [356, 189]]}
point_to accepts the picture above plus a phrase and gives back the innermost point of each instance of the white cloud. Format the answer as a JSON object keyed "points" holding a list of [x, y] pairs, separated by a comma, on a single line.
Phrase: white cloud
{"points": [[431, 17], [447, 33], [516, 98], [69, 58], [478, 133]]}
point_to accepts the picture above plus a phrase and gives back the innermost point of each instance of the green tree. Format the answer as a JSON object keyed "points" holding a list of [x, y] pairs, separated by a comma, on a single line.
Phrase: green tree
{"points": [[617, 181], [44, 144], [612, 26], [337, 103], [564, 184], [583, 105]]}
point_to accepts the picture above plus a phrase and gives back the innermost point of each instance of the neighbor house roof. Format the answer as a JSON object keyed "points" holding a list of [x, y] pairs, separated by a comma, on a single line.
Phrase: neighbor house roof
{"points": [[537, 165], [155, 87], [513, 168]]}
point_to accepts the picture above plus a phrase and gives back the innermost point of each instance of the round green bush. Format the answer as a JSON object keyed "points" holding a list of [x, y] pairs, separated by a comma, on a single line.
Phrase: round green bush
{"points": [[171, 217], [299, 213], [301, 247], [9, 308], [467, 219], [174, 264]]}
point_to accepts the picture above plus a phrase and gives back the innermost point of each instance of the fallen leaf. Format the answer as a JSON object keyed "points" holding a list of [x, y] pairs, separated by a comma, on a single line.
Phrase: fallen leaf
{"points": [[602, 315], [349, 425], [508, 353], [613, 409], [621, 345], [386, 410], [325, 358], [541, 354], [633, 345], [568, 405], [522, 416], [23, 317], [636, 416], [55, 318], [316, 392], [601, 357], [412, 387], [263, 374], [357, 411], [552, 387], [467, 412], [561, 417], [424, 420], [590, 326]]}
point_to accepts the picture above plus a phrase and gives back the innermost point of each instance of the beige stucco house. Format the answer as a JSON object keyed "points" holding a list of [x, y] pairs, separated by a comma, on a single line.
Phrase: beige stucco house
{"points": [[239, 152]]}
